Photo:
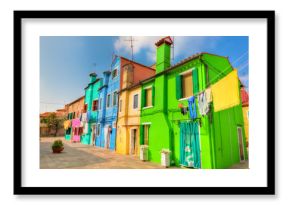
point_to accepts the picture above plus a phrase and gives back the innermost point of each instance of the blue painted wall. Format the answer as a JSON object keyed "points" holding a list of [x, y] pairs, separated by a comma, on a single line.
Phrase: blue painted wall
{"points": [[108, 115]]}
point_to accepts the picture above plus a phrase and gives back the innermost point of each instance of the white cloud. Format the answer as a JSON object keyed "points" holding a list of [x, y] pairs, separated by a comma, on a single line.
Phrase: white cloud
{"points": [[184, 45], [123, 45]]}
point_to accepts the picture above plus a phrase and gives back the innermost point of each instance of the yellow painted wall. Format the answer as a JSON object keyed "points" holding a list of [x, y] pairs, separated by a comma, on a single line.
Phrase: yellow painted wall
{"points": [[128, 118], [246, 122]]}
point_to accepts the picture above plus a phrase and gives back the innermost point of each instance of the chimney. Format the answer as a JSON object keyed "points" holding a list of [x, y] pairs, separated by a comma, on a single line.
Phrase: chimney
{"points": [[106, 77], [163, 54], [93, 77]]}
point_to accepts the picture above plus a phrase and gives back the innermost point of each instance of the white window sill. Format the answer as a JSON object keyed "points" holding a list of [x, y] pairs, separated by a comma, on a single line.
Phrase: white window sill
{"points": [[147, 107], [181, 99]]}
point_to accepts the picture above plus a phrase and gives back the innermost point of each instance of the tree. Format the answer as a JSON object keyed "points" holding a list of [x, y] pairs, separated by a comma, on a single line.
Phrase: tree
{"points": [[53, 123]]}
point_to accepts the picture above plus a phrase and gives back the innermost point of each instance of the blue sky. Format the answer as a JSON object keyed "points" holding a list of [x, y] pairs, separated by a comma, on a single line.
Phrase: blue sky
{"points": [[66, 61]]}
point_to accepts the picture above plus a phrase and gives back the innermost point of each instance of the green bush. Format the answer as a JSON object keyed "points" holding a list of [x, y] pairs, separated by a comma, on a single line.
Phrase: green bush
{"points": [[57, 144]]}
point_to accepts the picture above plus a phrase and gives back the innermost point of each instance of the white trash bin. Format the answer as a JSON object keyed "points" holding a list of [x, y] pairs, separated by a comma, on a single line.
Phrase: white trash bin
{"points": [[144, 152], [165, 157]]}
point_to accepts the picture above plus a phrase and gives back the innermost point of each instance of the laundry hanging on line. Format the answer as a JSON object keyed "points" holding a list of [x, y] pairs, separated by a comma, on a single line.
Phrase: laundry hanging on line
{"points": [[192, 107], [203, 104], [225, 92]]}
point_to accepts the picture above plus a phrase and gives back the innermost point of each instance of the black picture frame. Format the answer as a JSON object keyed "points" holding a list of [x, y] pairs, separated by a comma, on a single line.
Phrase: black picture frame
{"points": [[268, 190]]}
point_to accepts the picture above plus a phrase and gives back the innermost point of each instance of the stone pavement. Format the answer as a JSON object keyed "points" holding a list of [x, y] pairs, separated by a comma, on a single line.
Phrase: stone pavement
{"points": [[79, 156]]}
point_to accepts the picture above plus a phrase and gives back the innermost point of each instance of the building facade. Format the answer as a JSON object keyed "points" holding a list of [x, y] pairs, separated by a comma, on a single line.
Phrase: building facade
{"points": [[88, 121], [114, 81], [73, 113], [176, 115], [129, 108]]}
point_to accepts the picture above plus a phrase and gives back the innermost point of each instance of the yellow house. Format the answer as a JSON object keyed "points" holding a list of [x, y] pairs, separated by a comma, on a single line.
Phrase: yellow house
{"points": [[129, 120], [128, 123]]}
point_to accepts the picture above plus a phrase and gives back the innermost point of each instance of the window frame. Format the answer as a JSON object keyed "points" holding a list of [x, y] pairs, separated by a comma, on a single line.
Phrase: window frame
{"points": [[145, 89], [95, 106], [137, 101], [115, 92], [108, 103], [120, 105], [115, 69]]}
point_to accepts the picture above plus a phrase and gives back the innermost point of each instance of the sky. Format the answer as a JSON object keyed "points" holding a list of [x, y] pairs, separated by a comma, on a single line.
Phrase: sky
{"points": [[67, 61]]}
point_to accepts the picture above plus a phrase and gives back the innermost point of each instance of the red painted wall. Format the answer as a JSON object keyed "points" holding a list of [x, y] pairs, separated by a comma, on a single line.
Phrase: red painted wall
{"points": [[141, 72]]}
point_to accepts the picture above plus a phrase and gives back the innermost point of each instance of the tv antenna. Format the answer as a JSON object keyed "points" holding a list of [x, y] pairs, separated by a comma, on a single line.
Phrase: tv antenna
{"points": [[131, 40]]}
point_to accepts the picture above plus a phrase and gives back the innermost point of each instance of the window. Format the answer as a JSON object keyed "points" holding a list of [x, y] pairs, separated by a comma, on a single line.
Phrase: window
{"points": [[74, 114], [100, 104], [115, 96], [120, 106], [114, 73], [148, 97], [80, 131], [95, 105], [108, 100], [135, 101], [98, 129], [187, 88], [146, 134], [85, 108], [68, 131]]}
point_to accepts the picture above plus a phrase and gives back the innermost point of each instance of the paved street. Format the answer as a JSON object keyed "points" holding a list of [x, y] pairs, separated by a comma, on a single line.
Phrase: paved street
{"points": [[79, 156]]}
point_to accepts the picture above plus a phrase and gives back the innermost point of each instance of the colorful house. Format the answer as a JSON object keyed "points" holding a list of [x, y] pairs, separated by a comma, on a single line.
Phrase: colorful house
{"points": [[109, 98], [74, 111], [199, 131], [90, 110], [129, 107], [245, 105]]}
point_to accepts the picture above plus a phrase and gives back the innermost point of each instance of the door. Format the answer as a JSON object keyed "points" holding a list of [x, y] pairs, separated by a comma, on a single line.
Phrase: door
{"points": [[190, 145], [241, 144], [107, 133], [93, 134], [133, 142]]}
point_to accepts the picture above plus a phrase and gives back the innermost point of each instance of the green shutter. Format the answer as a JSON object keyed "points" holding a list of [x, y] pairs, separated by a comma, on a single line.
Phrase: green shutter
{"points": [[153, 95], [143, 98], [195, 81], [141, 134], [178, 87]]}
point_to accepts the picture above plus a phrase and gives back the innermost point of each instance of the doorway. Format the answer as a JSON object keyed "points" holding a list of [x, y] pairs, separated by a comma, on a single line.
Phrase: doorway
{"points": [[190, 145], [107, 133], [133, 142], [93, 134], [241, 144]]}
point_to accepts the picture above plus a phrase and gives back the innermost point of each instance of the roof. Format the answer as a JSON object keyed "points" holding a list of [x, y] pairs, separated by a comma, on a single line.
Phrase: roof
{"points": [[244, 97], [80, 98], [174, 66], [194, 56], [166, 40], [135, 62]]}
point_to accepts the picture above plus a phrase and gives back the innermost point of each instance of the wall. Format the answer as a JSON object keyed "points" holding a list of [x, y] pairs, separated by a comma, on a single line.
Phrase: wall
{"points": [[91, 94], [128, 119]]}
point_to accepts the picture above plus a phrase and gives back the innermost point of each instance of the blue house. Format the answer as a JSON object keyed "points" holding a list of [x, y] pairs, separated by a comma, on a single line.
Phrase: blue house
{"points": [[108, 104], [101, 119]]}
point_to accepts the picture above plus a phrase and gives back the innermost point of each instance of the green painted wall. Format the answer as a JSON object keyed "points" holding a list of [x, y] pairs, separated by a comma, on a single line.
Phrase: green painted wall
{"points": [[218, 131]]}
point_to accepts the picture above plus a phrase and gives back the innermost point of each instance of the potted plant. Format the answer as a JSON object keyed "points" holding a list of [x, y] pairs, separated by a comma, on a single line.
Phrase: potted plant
{"points": [[57, 146]]}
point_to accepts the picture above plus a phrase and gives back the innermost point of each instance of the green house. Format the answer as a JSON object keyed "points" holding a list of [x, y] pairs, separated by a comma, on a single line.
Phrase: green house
{"points": [[209, 141]]}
